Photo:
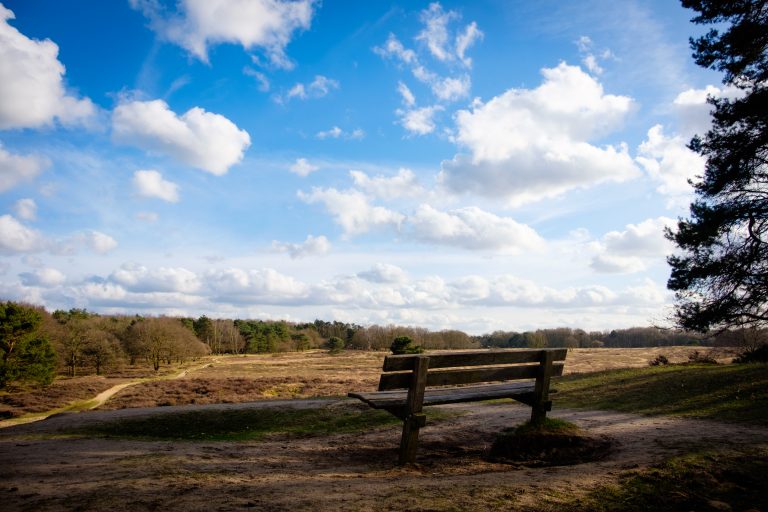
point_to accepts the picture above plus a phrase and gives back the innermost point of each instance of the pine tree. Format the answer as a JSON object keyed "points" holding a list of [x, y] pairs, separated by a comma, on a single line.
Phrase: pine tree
{"points": [[721, 274]]}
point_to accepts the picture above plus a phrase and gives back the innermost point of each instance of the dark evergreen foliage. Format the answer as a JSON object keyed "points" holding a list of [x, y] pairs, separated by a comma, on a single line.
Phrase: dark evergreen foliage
{"points": [[721, 276]]}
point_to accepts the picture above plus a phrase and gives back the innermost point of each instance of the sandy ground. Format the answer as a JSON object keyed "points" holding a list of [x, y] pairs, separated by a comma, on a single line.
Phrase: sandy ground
{"points": [[347, 472]]}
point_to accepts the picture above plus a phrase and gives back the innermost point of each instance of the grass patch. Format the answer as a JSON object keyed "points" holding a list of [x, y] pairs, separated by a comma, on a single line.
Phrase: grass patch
{"points": [[695, 481], [250, 424], [547, 426], [729, 393]]}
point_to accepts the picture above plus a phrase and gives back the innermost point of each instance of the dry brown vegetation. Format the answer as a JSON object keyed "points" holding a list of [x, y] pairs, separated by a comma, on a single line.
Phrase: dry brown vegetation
{"points": [[245, 378], [45, 468]]}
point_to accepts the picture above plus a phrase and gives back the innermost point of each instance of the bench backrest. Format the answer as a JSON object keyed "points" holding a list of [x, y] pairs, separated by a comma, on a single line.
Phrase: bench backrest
{"points": [[457, 368]]}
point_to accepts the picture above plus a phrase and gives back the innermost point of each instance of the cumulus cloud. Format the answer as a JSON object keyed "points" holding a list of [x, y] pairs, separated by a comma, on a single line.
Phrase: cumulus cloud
{"points": [[670, 163], [472, 228], [96, 241], [32, 92], [236, 285], [529, 144], [693, 110], [138, 278], [632, 249], [384, 273], [43, 278], [201, 139], [352, 210], [302, 167], [419, 121], [15, 169], [313, 245], [267, 25], [403, 184], [16, 238], [150, 183], [25, 209]]}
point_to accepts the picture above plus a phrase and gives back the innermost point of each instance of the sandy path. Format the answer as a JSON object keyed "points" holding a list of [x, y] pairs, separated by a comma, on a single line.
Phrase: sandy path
{"points": [[99, 399], [347, 472]]}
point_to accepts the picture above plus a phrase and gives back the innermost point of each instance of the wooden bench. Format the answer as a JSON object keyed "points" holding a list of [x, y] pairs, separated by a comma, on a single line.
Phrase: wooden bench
{"points": [[410, 382]]}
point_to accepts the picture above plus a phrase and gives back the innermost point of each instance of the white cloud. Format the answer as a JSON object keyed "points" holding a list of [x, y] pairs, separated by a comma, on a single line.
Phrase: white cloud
{"points": [[17, 238], [260, 78], [25, 209], [15, 169], [138, 278], [419, 121], [693, 111], [408, 98], [590, 57], [472, 228], [352, 211], [528, 144], [318, 88], [97, 241], [313, 245], [465, 40], [32, 92], [264, 24], [435, 31], [43, 278], [338, 133], [452, 89], [631, 250], [150, 183], [394, 48], [205, 140], [302, 167], [404, 184], [384, 273], [669, 162], [237, 285]]}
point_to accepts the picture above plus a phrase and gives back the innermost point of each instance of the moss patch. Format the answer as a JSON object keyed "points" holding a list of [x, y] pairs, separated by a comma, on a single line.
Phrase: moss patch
{"points": [[552, 442]]}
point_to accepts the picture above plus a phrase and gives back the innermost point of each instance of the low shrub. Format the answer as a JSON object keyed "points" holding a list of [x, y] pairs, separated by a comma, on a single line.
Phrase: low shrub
{"points": [[754, 355], [659, 360], [701, 358]]}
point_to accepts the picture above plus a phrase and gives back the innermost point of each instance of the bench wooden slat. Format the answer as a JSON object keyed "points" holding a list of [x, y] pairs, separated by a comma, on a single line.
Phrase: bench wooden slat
{"points": [[485, 358], [440, 396], [466, 376]]}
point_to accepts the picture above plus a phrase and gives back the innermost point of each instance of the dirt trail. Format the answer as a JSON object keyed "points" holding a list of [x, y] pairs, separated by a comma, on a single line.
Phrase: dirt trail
{"points": [[346, 472], [98, 400]]}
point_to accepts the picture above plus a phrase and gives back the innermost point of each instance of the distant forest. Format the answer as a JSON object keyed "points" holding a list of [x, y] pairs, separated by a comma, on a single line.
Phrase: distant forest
{"points": [[78, 342]]}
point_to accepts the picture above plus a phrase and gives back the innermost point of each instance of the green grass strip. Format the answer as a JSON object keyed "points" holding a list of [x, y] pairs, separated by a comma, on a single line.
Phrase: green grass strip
{"points": [[249, 424], [736, 393], [708, 480]]}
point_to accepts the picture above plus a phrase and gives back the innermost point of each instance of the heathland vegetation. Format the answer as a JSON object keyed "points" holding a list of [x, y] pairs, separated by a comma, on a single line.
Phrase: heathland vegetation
{"points": [[36, 345]]}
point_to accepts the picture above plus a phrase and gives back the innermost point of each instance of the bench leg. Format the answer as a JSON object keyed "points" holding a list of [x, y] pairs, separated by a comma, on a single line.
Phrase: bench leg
{"points": [[410, 438]]}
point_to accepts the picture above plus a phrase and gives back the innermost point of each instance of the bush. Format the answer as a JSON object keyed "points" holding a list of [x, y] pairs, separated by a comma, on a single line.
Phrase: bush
{"points": [[335, 345], [701, 358], [754, 355], [402, 345], [660, 359]]}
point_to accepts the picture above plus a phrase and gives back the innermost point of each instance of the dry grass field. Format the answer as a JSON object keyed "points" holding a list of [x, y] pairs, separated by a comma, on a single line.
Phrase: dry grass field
{"points": [[89, 461]]}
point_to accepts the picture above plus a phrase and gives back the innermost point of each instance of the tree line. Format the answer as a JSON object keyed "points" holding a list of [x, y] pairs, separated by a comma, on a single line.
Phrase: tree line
{"points": [[36, 345]]}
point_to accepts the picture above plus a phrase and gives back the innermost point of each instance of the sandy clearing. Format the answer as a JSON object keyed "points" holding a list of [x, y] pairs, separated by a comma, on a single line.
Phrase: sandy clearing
{"points": [[337, 472]]}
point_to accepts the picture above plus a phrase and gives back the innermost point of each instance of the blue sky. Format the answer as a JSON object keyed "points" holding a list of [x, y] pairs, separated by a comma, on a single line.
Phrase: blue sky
{"points": [[475, 165]]}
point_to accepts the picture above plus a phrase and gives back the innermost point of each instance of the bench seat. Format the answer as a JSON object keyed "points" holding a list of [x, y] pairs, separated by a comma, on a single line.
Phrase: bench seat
{"points": [[450, 395]]}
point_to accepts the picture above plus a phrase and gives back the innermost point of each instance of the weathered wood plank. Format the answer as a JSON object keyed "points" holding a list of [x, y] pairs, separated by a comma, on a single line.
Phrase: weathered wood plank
{"points": [[541, 392], [466, 376], [473, 358], [440, 396]]}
